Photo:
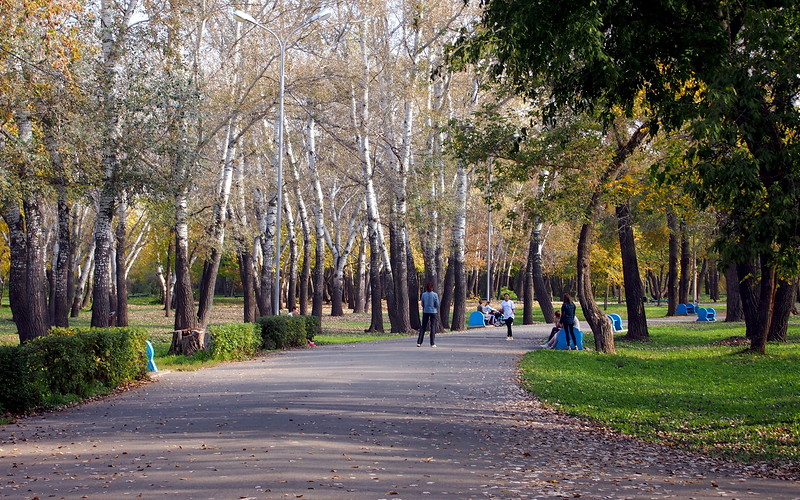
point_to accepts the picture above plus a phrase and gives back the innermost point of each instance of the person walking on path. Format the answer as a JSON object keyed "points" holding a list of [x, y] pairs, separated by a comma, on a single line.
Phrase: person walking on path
{"points": [[568, 320], [507, 306], [430, 306]]}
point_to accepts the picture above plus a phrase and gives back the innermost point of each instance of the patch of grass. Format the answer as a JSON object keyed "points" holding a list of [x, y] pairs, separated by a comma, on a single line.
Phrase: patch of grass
{"points": [[347, 339], [164, 361], [681, 390]]}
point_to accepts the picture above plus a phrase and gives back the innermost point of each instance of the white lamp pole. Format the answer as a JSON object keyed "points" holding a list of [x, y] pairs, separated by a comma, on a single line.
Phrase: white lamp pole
{"points": [[244, 17]]}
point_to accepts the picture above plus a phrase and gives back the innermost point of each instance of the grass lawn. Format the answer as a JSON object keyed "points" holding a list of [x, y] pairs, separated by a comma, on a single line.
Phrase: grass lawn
{"points": [[682, 389]]}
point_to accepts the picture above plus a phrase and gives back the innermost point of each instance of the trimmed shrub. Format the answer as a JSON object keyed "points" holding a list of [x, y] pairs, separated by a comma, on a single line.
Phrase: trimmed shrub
{"points": [[282, 332], [19, 389], [313, 326], [231, 341], [78, 361]]}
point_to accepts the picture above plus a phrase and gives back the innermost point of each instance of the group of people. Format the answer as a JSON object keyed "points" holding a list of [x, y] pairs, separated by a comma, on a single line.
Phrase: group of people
{"points": [[565, 318], [430, 307]]}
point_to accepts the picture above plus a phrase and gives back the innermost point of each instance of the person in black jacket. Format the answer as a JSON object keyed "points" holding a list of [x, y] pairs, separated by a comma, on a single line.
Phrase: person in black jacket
{"points": [[568, 320]]}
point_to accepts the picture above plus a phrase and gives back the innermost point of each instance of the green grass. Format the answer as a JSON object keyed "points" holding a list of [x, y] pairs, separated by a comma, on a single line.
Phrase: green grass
{"points": [[164, 361], [681, 390], [350, 338]]}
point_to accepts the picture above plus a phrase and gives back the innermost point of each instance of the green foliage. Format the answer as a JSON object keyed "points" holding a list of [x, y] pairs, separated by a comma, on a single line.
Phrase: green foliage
{"points": [[70, 364], [682, 389], [282, 332], [19, 390], [231, 341], [505, 290], [313, 326]]}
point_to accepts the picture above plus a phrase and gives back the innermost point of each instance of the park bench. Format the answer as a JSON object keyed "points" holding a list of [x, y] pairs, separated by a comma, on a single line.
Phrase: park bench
{"points": [[706, 314], [616, 322], [561, 339], [476, 320]]}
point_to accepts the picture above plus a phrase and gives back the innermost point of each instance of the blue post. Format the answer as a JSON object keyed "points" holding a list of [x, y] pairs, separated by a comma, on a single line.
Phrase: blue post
{"points": [[151, 363]]}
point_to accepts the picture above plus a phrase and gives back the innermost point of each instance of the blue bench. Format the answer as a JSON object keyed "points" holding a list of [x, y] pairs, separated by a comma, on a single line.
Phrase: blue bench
{"points": [[616, 322], [476, 320], [690, 309], [151, 363], [706, 314], [561, 339], [680, 310]]}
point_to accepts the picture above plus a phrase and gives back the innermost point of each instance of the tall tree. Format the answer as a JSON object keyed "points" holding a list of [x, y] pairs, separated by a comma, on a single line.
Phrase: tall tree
{"points": [[729, 70]]}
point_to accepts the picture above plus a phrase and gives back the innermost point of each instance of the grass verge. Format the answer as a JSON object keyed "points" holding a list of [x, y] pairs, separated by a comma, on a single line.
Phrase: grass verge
{"points": [[683, 390]]}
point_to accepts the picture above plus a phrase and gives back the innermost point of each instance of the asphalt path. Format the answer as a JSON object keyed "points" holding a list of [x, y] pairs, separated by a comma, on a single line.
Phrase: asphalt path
{"points": [[373, 420]]}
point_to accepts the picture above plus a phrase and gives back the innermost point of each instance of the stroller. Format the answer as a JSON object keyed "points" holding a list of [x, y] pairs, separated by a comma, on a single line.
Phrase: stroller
{"points": [[499, 319]]}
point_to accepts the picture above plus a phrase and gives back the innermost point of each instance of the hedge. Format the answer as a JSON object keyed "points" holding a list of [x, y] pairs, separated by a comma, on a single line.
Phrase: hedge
{"points": [[282, 332], [70, 361], [231, 341], [19, 390]]}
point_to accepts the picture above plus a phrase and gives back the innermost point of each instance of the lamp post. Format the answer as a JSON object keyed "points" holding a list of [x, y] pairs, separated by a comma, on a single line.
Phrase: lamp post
{"points": [[244, 17]]}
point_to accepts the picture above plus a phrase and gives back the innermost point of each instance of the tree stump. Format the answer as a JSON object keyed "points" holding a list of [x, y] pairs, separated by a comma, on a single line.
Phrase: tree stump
{"points": [[187, 341]]}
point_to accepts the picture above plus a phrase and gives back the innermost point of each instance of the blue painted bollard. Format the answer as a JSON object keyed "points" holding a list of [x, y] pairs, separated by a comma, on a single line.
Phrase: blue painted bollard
{"points": [[151, 363]]}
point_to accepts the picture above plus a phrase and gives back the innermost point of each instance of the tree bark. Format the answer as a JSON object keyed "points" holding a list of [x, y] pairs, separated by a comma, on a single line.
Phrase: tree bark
{"points": [[634, 292], [543, 296], [784, 301], [735, 310], [458, 238], [749, 293], [121, 235], [686, 255], [672, 272]]}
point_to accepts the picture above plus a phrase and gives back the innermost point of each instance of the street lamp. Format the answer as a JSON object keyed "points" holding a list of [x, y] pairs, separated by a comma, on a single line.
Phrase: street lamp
{"points": [[244, 17]]}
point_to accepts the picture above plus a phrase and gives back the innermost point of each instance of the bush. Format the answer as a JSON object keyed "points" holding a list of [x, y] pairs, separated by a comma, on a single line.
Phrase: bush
{"points": [[313, 326], [505, 290], [282, 332], [19, 389], [234, 340], [87, 360]]}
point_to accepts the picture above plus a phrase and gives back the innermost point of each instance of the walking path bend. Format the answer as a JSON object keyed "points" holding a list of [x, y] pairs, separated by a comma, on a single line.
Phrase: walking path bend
{"points": [[375, 420]]}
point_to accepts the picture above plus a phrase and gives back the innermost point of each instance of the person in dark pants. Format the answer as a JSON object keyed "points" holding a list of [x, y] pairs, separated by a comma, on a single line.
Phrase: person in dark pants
{"points": [[430, 306], [507, 307], [568, 320]]}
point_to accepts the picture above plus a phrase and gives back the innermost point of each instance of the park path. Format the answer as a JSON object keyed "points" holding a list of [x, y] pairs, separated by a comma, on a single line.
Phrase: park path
{"points": [[375, 420]]}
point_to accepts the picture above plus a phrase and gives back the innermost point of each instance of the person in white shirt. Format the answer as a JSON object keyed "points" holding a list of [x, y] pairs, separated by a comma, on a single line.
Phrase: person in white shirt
{"points": [[507, 307]]}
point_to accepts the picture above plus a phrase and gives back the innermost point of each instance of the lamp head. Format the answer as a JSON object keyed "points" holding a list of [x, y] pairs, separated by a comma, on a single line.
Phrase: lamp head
{"points": [[321, 15], [244, 17]]}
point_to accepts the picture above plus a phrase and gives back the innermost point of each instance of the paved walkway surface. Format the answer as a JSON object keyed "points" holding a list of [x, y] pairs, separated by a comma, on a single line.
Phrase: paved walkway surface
{"points": [[376, 420]]}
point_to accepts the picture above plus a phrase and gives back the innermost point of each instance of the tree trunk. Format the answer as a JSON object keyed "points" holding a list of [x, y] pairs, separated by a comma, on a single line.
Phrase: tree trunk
{"points": [[376, 320], [634, 292], [318, 209], [61, 264], [447, 294], [121, 234], [216, 231], [543, 295], [766, 308], [184, 298], [784, 301], [361, 274], [672, 273], [686, 255], [459, 236], [598, 322], [749, 293], [248, 278], [735, 310], [413, 292]]}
